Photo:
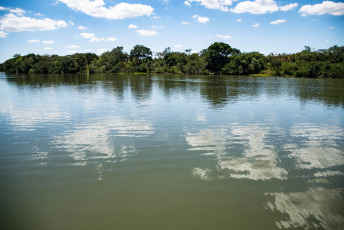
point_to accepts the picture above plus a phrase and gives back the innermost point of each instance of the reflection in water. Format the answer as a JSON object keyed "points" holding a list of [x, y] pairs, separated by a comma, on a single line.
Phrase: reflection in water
{"points": [[265, 137], [317, 208], [202, 174], [318, 147], [257, 161], [95, 140], [25, 119]]}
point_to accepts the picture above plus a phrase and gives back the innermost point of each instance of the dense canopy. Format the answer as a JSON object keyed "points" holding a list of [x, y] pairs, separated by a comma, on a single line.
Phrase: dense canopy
{"points": [[219, 58]]}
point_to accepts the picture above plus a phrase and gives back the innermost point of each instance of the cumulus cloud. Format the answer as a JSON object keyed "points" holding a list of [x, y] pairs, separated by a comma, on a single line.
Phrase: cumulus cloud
{"points": [[239, 20], [50, 42], [256, 7], [223, 36], [17, 11], [213, 4], [326, 7], [120, 11], [185, 23], [147, 32], [187, 3], [112, 39], [13, 23], [73, 47], [82, 27], [100, 51], [87, 35], [33, 41], [256, 25], [201, 19], [95, 39], [288, 7], [278, 21], [132, 26], [3, 34], [38, 14]]}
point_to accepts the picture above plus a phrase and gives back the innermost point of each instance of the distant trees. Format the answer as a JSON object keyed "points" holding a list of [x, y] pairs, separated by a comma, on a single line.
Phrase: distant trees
{"points": [[140, 59], [218, 58]]}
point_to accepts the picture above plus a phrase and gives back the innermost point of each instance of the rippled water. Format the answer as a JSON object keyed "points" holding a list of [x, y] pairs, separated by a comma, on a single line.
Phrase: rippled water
{"points": [[171, 152]]}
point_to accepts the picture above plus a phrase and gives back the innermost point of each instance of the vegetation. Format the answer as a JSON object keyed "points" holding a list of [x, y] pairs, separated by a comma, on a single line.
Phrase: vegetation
{"points": [[218, 59]]}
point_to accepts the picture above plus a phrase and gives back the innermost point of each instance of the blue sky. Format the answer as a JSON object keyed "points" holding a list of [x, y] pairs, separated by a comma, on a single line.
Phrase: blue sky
{"points": [[68, 26]]}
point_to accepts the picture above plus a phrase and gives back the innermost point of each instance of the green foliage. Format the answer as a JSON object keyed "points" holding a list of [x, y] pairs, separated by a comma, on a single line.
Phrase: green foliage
{"points": [[218, 58], [140, 59]]}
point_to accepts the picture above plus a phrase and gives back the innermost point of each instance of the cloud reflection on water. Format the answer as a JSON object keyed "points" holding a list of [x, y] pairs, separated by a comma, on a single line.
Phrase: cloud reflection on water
{"points": [[316, 208], [317, 147], [97, 140], [258, 161]]}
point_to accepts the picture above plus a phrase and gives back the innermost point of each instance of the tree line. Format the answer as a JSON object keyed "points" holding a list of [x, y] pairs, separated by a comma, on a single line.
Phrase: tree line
{"points": [[218, 59]]}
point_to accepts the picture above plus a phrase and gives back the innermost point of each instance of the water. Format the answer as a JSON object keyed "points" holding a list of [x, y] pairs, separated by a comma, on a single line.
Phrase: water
{"points": [[171, 152]]}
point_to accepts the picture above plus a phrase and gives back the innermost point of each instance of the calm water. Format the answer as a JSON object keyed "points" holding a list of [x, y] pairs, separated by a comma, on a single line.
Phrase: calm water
{"points": [[171, 152]]}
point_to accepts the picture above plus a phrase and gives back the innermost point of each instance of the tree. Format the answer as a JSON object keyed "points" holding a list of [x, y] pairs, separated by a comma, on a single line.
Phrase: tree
{"points": [[140, 57], [217, 56]]}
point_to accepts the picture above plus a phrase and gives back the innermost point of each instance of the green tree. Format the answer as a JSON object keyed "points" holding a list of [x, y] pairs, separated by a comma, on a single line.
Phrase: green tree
{"points": [[140, 59], [217, 56]]}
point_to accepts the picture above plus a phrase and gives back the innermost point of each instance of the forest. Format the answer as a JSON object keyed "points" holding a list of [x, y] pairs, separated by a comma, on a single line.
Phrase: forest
{"points": [[218, 59]]}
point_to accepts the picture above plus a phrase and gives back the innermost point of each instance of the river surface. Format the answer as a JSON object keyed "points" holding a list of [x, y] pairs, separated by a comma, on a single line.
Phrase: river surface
{"points": [[171, 152]]}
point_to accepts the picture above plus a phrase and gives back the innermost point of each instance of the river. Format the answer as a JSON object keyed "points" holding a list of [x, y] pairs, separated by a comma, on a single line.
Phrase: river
{"points": [[171, 152]]}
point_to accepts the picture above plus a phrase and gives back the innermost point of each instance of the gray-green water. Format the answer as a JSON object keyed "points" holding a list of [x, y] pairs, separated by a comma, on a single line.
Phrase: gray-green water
{"points": [[171, 152]]}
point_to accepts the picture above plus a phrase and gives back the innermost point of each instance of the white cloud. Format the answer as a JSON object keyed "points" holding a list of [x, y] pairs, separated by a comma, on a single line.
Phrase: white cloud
{"points": [[92, 38], [73, 51], [120, 11], [201, 19], [157, 27], [132, 26], [38, 14], [326, 7], [50, 42], [146, 32], [256, 25], [214, 4], [82, 27], [288, 7], [223, 36], [87, 35], [187, 3], [178, 46], [256, 7], [33, 41], [101, 51], [70, 22], [327, 41], [13, 23], [47, 48], [112, 39], [73, 47], [3, 34], [95, 39], [185, 23], [17, 11], [239, 20], [278, 21]]}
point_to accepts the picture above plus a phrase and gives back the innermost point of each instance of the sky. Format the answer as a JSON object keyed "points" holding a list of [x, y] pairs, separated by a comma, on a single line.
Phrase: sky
{"points": [[65, 27]]}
